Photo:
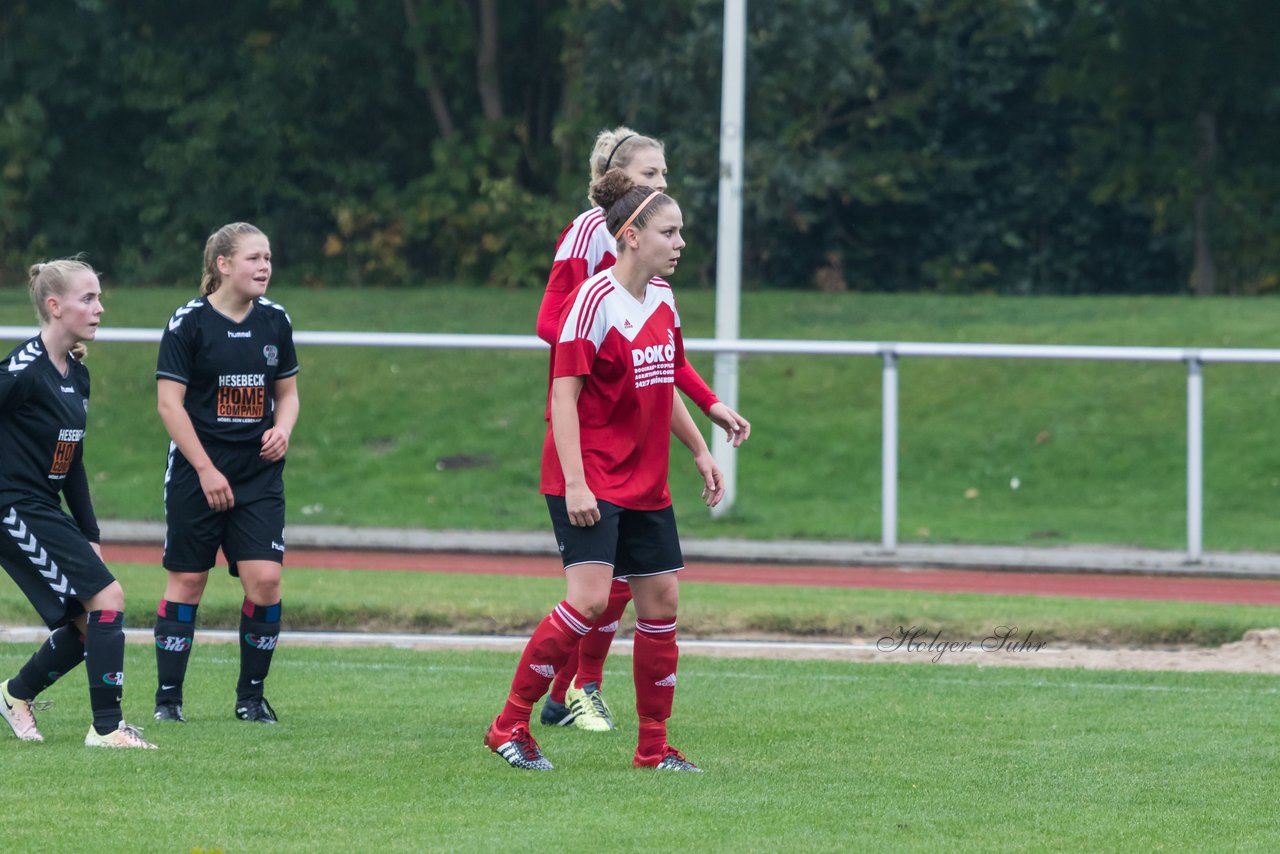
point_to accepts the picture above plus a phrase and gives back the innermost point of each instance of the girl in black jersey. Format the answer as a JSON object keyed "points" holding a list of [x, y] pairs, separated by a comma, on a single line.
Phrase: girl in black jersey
{"points": [[228, 395], [57, 562]]}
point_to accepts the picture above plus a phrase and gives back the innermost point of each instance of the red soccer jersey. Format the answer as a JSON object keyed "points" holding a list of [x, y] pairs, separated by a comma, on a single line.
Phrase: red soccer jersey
{"points": [[628, 351], [585, 248]]}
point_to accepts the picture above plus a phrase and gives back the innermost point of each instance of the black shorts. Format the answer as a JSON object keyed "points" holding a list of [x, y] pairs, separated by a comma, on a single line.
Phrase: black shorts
{"points": [[633, 542], [251, 530], [51, 561]]}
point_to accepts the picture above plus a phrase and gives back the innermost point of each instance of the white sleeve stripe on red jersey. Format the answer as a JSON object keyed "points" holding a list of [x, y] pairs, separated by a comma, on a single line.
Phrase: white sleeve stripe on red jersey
{"points": [[595, 297], [589, 225]]}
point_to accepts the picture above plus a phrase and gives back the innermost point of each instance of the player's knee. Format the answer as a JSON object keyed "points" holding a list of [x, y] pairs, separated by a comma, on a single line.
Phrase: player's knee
{"points": [[263, 592], [186, 587], [109, 598], [590, 605], [657, 601]]}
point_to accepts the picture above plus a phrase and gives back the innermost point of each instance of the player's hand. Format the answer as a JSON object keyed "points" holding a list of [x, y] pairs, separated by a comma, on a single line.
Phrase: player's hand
{"points": [[736, 428], [580, 501], [275, 442], [217, 491], [712, 478]]}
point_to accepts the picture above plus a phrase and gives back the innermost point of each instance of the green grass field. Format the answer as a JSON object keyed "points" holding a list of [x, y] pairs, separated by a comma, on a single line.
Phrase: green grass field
{"points": [[1098, 448], [379, 750]]}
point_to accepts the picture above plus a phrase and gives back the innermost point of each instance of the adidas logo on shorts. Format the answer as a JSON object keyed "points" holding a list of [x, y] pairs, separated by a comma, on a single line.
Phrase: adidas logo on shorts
{"points": [[547, 670]]}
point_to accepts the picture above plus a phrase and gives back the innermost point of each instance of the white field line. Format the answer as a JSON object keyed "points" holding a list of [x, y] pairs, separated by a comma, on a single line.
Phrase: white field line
{"points": [[35, 634], [768, 649]]}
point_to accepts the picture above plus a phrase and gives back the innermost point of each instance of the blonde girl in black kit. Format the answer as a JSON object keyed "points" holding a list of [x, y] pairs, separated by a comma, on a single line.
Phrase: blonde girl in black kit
{"points": [[228, 395], [54, 558]]}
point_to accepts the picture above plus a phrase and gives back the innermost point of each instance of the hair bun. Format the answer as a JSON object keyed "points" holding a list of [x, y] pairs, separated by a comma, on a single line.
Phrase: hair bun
{"points": [[611, 187]]}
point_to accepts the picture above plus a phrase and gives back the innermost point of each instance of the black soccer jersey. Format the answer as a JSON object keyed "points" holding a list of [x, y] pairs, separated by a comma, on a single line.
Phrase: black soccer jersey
{"points": [[230, 369], [42, 422]]}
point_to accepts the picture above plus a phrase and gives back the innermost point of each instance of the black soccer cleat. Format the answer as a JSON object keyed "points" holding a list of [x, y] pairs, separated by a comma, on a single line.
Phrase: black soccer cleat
{"points": [[170, 712], [556, 714], [256, 710]]}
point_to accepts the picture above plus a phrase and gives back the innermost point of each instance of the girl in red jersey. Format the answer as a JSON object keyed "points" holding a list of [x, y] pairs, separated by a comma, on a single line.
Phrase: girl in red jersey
{"points": [[585, 248], [54, 558], [604, 472]]}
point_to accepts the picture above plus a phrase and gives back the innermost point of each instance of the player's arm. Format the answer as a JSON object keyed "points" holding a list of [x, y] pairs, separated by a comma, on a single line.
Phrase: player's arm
{"points": [[691, 383], [75, 490], [686, 430], [170, 395], [566, 274], [579, 500], [736, 428], [275, 442]]}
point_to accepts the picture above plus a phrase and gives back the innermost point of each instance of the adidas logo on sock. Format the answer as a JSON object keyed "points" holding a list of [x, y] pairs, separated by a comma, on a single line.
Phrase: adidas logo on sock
{"points": [[612, 627], [547, 670], [669, 682]]}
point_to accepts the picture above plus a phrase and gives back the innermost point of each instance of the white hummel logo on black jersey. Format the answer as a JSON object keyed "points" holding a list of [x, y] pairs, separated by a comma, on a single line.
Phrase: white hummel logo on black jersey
{"points": [[181, 313], [24, 357]]}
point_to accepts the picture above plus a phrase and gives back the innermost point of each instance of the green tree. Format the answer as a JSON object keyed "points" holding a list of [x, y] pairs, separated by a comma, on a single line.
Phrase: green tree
{"points": [[891, 144], [1182, 100], [132, 130]]}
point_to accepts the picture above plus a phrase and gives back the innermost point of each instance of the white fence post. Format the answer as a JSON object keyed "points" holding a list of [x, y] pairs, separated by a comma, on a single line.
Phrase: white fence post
{"points": [[1195, 458], [889, 452], [733, 99]]}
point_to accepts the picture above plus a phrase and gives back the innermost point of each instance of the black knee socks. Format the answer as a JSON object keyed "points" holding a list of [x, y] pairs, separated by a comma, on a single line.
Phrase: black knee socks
{"points": [[104, 664], [60, 653], [259, 631], [175, 633]]}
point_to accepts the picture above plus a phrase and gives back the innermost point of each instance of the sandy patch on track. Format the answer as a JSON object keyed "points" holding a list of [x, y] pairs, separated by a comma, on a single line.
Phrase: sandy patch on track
{"points": [[1257, 652]]}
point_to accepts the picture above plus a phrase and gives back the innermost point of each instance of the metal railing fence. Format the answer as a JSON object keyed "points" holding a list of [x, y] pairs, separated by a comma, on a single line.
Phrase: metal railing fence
{"points": [[889, 352]]}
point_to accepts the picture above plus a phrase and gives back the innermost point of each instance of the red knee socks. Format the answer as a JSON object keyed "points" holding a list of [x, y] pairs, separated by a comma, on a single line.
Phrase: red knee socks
{"points": [[553, 641], [654, 666]]}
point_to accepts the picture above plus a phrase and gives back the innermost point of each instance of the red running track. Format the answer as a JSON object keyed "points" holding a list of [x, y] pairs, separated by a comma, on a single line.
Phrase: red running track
{"points": [[1240, 591]]}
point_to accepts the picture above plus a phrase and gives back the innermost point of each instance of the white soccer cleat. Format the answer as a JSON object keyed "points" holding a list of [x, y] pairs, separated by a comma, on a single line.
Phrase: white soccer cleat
{"points": [[19, 715], [123, 736]]}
